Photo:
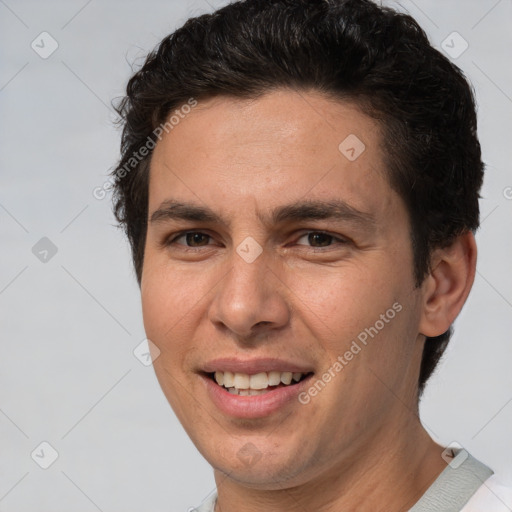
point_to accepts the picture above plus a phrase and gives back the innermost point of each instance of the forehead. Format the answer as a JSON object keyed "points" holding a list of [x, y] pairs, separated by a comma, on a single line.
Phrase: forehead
{"points": [[280, 147]]}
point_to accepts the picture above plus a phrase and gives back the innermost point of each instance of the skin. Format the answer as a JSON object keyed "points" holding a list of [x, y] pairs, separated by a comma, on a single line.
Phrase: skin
{"points": [[358, 444]]}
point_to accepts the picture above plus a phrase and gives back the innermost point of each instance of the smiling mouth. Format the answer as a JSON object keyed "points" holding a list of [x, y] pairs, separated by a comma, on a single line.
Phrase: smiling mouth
{"points": [[243, 384]]}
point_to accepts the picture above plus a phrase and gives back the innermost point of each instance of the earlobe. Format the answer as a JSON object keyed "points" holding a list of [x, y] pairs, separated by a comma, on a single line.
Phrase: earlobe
{"points": [[448, 284]]}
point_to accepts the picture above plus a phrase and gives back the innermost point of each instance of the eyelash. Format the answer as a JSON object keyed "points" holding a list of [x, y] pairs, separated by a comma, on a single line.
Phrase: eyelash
{"points": [[171, 240]]}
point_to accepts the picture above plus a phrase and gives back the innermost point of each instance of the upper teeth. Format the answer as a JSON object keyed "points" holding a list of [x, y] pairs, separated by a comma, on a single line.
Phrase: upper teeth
{"points": [[257, 381]]}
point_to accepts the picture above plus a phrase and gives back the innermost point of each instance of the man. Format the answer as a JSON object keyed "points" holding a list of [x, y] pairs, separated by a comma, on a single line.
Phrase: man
{"points": [[299, 183]]}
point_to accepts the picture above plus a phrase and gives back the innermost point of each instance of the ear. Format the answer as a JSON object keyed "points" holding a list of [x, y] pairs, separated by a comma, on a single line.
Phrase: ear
{"points": [[448, 284]]}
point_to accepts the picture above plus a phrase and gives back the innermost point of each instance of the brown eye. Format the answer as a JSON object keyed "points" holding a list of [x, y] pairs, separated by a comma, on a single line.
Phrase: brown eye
{"points": [[196, 238], [192, 239], [320, 239]]}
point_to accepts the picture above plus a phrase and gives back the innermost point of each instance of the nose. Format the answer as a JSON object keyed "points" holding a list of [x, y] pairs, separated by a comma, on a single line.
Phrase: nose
{"points": [[250, 300]]}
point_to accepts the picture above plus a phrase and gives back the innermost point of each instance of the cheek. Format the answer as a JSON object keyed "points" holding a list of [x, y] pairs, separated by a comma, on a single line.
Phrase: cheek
{"points": [[168, 299], [174, 307], [342, 301], [167, 310], [157, 302]]}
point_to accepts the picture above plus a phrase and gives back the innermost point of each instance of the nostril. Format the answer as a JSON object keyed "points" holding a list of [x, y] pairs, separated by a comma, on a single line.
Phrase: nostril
{"points": [[263, 322]]}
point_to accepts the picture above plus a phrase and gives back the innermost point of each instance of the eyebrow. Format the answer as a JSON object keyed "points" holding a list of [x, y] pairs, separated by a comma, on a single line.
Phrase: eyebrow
{"points": [[335, 209]]}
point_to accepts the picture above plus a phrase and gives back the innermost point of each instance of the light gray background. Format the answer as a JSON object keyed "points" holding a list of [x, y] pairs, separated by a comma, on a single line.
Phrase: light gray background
{"points": [[69, 326]]}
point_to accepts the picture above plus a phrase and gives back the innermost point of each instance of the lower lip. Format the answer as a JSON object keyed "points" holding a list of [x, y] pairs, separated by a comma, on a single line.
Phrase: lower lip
{"points": [[257, 406]]}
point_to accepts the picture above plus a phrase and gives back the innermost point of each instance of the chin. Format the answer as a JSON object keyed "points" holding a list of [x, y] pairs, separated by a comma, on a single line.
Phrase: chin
{"points": [[256, 464]]}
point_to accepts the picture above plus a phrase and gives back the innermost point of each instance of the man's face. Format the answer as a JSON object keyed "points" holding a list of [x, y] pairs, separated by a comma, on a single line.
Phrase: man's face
{"points": [[256, 293]]}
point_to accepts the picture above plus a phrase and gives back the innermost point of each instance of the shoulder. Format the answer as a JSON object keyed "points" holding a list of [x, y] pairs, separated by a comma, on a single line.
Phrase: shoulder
{"points": [[207, 506], [494, 495]]}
